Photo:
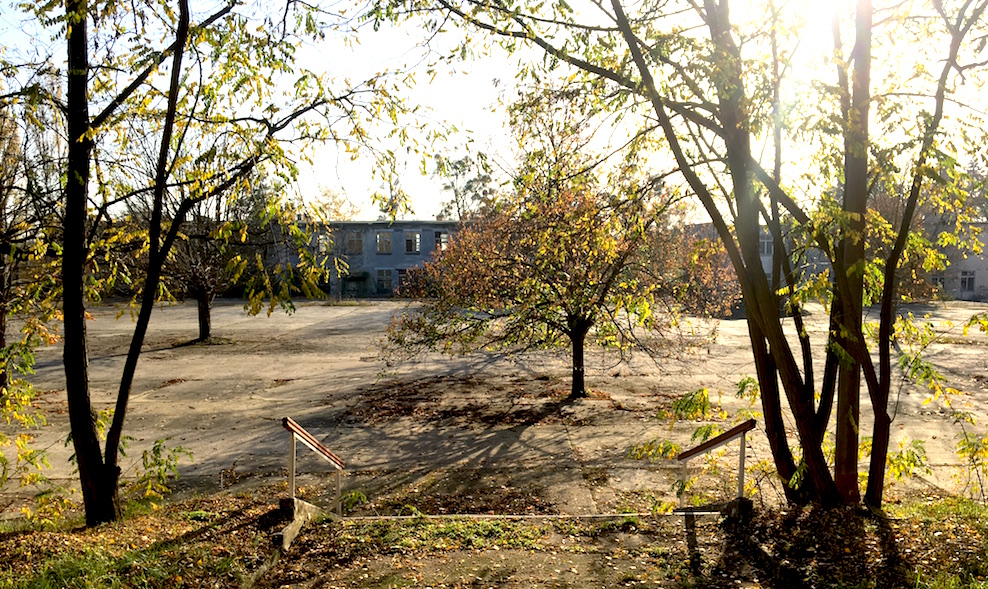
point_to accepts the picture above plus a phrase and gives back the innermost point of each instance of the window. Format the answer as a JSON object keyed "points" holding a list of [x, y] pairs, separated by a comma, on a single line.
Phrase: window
{"points": [[765, 245], [384, 281], [354, 242], [325, 244], [967, 281], [384, 242], [413, 242], [938, 280], [402, 278], [442, 241]]}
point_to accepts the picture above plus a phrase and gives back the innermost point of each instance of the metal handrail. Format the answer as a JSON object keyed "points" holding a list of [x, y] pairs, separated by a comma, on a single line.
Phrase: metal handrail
{"points": [[711, 444], [299, 433]]}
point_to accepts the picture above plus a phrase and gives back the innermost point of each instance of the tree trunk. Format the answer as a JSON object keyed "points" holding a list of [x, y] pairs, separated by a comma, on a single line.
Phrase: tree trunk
{"points": [[856, 142], [775, 426], [204, 300], [760, 302], [158, 250], [97, 484], [578, 336], [5, 367]]}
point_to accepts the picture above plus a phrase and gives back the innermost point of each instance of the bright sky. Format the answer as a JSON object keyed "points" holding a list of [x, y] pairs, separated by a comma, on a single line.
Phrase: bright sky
{"points": [[464, 95], [467, 99]]}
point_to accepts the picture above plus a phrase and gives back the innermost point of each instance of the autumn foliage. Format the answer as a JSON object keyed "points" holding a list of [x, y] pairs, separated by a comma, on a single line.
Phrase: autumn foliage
{"points": [[547, 272]]}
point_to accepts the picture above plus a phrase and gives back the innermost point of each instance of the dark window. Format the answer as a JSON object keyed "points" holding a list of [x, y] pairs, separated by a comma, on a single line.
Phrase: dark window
{"points": [[967, 281], [413, 242]]}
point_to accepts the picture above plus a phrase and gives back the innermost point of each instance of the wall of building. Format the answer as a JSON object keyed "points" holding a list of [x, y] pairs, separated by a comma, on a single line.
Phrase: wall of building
{"points": [[378, 255], [966, 276], [376, 270]]}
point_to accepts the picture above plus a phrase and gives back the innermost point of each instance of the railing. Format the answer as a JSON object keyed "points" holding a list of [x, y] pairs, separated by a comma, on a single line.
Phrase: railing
{"points": [[711, 444], [299, 433]]}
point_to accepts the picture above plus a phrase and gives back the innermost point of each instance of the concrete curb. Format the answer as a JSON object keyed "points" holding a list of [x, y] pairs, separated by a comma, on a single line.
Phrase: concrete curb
{"points": [[302, 513]]}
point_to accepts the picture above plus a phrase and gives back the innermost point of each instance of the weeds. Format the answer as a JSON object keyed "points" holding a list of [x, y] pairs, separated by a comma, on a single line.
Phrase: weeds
{"points": [[444, 534]]}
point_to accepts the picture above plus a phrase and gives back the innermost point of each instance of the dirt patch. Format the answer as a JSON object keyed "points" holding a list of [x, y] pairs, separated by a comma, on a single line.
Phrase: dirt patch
{"points": [[452, 401], [453, 492], [225, 540]]}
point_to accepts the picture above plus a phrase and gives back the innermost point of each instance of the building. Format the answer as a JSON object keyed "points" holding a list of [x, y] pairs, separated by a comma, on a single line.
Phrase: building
{"points": [[966, 275], [380, 254]]}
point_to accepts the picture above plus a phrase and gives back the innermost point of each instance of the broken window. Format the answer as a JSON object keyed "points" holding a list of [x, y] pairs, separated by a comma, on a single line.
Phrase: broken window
{"points": [[384, 242]]}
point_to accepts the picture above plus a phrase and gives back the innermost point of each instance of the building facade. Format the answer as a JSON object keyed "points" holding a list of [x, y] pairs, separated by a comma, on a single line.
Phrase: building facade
{"points": [[379, 254], [966, 275]]}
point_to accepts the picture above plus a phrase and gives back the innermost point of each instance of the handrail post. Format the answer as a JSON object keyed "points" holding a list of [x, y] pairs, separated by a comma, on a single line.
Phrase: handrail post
{"points": [[682, 488], [741, 466], [339, 496], [291, 471]]}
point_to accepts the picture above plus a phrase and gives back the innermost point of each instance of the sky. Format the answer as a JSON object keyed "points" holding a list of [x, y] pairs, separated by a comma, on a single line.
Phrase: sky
{"points": [[463, 95], [466, 97]]}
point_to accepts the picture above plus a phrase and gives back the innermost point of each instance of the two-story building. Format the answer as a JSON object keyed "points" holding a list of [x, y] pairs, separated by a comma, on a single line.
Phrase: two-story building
{"points": [[966, 275], [380, 254]]}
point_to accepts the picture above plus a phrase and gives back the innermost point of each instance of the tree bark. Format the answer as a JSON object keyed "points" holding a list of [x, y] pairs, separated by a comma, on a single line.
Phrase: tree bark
{"points": [[204, 300], [856, 142], [4, 307], [97, 496], [578, 335], [775, 426], [158, 249]]}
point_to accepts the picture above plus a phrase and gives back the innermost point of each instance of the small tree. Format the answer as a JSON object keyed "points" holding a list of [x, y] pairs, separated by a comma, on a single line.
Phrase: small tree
{"points": [[227, 243], [28, 285], [469, 182], [561, 260]]}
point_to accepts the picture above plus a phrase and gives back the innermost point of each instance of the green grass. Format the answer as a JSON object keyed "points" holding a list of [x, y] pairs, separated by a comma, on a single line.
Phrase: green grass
{"points": [[441, 534], [941, 508], [936, 512], [945, 581], [100, 569]]}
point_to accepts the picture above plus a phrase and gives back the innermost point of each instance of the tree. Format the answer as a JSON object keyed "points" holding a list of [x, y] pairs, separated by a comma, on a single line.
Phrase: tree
{"points": [[694, 266], [559, 261], [469, 181], [27, 211], [216, 97], [707, 85], [242, 242]]}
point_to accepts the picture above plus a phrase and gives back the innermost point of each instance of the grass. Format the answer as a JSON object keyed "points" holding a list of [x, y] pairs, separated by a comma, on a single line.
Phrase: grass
{"points": [[439, 534], [200, 542], [928, 543]]}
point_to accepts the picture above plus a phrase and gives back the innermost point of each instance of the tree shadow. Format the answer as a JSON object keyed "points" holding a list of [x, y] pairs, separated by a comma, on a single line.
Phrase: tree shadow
{"points": [[512, 402], [842, 547], [418, 443]]}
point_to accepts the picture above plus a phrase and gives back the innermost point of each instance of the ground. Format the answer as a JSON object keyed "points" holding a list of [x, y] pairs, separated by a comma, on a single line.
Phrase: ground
{"points": [[480, 435], [224, 540]]}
